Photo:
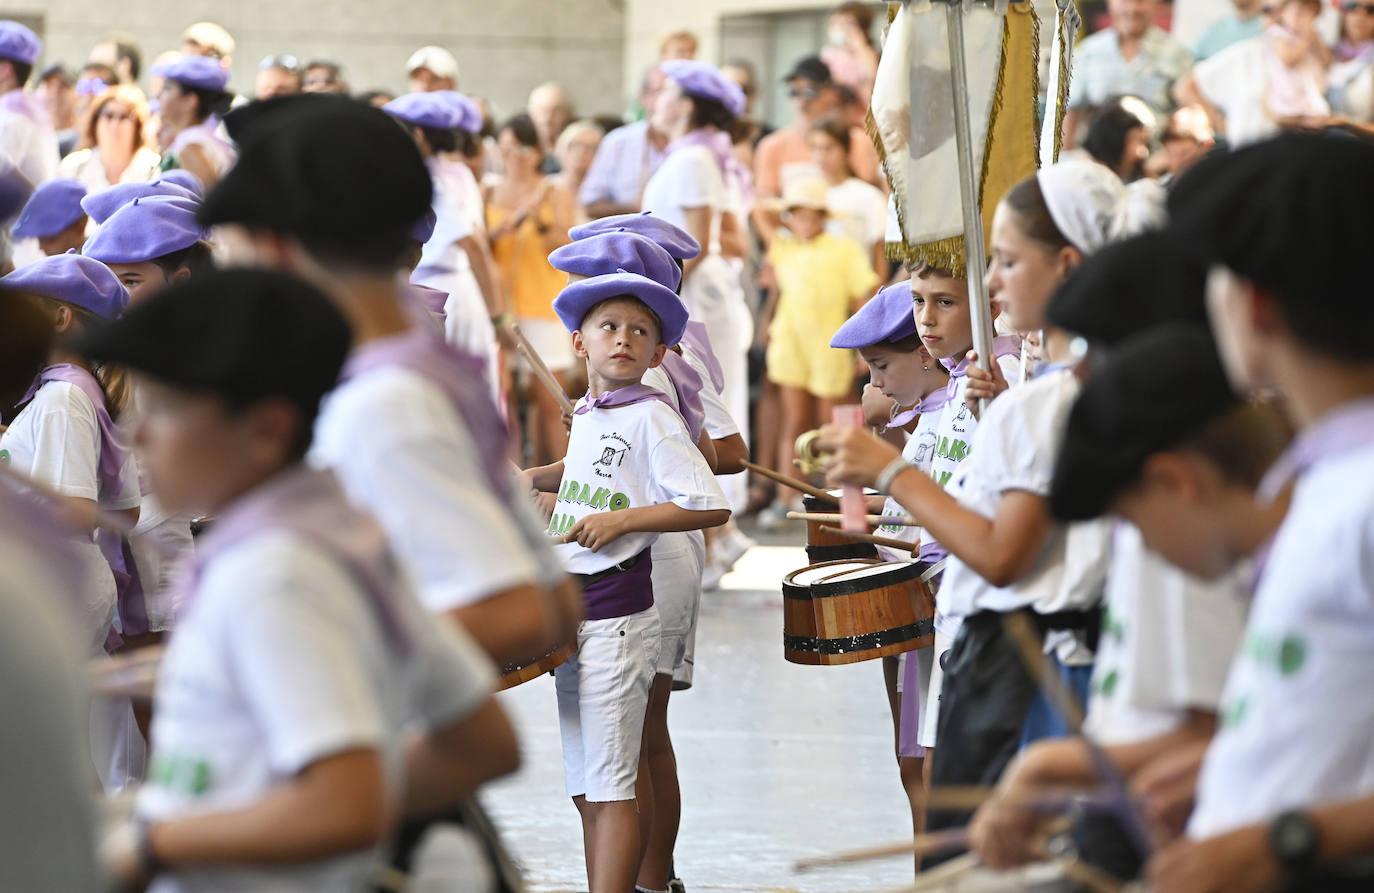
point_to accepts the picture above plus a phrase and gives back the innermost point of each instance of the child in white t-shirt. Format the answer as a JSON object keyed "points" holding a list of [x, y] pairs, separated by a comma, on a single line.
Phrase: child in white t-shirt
{"points": [[307, 700], [632, 471]]}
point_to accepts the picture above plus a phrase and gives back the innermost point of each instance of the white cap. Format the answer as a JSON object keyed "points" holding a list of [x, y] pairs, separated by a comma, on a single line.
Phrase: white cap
{"points": [[436, 59], [211, 36]]}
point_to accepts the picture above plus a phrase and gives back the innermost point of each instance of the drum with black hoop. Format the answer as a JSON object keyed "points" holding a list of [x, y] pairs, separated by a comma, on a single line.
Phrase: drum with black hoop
{"points": [[822, 546], [842, 612]]}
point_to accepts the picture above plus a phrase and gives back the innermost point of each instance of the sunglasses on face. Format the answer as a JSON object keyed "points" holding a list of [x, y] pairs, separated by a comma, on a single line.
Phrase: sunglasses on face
{"points": [[1366, 8], [116, 116], [807, 93]]}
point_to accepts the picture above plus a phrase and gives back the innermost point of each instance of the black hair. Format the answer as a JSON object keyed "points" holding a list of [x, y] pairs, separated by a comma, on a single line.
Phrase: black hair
{"points": [[1028, 202], [22, 71], [196, 258], [373, 251], [1242, 444], [208, 102], [333, 68], [127, 51], [522, 128], [371, 96], [299, 448], [26, 339], [1105, 140], [440, 139], [710, 112]]}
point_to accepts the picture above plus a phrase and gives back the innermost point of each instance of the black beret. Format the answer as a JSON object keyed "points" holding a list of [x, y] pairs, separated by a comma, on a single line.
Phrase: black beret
{"points": [[1128, 287], [1291, 214], [322, 169], [244, 335], [1150, 393]]}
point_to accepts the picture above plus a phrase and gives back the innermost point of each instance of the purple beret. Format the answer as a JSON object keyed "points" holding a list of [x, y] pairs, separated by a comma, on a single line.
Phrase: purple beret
{"points": [[705, 80], [196, 72], [186, 180], [674, 240], [439, 109], [74, 279], [144, 230], [605, 253], [424, 227], [574, 303], [100, 206], [18, 43], [885, 319], [53, 207]]}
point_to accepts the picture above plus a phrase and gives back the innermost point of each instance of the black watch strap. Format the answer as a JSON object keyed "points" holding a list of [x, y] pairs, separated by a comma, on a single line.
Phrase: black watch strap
{"points": [[1294, 839]]}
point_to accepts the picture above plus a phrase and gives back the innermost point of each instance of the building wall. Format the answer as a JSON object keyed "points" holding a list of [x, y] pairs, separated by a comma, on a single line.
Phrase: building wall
{"points": [[503, 47]]}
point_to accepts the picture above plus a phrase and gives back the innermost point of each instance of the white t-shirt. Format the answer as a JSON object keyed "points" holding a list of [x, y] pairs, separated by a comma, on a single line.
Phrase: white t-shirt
{"points": [[628, 457], [1015, 448], [857, 210], [1297, 715], [1234, 80], [279, 661], [688, 178], [55, 440], [1168, 639], [919, 451], [47, 812], [29, 146], [84, 166], [457, 208], [954, 433], [401, 451]]}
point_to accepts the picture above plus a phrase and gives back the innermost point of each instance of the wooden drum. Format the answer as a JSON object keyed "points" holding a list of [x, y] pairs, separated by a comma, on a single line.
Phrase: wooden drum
{"points": [[842, 612], [511, 676], [821, 546]]}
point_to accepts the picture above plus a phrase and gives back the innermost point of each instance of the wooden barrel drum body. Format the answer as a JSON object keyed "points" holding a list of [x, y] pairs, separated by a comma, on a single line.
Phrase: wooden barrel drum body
{"points": [[822, 546], [843, 612]]}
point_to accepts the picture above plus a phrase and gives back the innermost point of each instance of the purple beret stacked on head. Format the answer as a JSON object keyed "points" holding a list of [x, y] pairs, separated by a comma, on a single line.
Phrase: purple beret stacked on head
{"points": [[672, 239], [53, 207], [606, 253], [424, 227], [186, 180], [575, 301], [144, 230], [706, 81], [100, 206], [18, 43], [73, 279], [885, 319], [196, 72], [438, 109]]}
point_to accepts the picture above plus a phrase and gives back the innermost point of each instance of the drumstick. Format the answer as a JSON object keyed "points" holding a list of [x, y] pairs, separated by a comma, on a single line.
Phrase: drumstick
{"points": [[799, 486], [835, 518], [925, 844], [870, 538], [96, 516], [1044, 799], [541, 371], [942, 874]]}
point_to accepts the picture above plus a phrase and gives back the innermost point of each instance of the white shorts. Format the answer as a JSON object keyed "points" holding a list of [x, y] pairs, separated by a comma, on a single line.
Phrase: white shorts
{"points": [[603, 693], [551, 341], [930, 705], [678, 559]]}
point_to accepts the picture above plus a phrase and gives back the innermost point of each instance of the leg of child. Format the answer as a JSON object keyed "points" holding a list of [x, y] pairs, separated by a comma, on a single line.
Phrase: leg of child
{"points": [[667, 803], [798, 408], [767, 424]]}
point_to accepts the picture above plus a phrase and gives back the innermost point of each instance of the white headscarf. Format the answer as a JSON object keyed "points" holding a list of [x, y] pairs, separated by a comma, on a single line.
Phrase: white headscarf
{"points": [[1092, 207]]}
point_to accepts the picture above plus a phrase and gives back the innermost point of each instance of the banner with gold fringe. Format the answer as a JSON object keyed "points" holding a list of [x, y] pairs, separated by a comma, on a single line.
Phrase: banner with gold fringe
{"points": [[912, 121]]}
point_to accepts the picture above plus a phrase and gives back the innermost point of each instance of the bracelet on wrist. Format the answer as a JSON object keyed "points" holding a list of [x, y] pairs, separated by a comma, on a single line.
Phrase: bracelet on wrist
{"points": [[889, 474], [148, 862]]}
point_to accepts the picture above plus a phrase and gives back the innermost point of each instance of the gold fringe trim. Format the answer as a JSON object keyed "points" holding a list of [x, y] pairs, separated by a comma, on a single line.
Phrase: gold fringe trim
{"points": [[1062, 99], [947, 254], [1035, 75]]}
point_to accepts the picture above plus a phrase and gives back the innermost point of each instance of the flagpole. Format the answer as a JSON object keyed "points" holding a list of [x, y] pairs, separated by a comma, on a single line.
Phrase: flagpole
{"points": [[975, 252]]}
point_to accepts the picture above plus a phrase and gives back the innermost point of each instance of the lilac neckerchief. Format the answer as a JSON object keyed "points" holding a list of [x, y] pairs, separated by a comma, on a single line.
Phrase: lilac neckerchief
{"points": [[1341, 430], [932, 402], [635, 393], [23, 103], [463, 380], [311, 505], [432, 299], [722, 150], [1002, 346], [687, 384], [697, 339], [114, 455], [1050, 368], [31, 525]]}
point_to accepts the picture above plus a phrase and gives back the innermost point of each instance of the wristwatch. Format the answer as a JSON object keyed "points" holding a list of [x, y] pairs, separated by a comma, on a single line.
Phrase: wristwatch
{"points": [[1294, 839]]}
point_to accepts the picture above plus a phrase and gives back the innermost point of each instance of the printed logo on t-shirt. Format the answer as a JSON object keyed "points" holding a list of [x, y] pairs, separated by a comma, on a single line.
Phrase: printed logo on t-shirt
{"points": [[4, 457], [1287, 654], [599, 499], [185, 775], [612, 455]]}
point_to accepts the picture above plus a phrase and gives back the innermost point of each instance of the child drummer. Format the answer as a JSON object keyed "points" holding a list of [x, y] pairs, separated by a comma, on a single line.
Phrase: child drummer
{"points": [[307, 700], [632, 471]]}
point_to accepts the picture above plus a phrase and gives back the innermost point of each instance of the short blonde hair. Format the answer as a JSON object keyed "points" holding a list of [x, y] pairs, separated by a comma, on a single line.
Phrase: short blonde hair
{"points": [[687, 36], [573, 131]]}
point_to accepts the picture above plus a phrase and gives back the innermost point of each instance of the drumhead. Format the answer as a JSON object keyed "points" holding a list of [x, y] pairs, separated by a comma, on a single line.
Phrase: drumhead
{"points": [[808, 575], [875, 570]]}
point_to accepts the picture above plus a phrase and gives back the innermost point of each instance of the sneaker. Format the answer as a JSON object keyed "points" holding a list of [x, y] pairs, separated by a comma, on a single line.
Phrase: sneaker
{"points": [[731, 546], [675, 885], [711, 575], [774, 517]]}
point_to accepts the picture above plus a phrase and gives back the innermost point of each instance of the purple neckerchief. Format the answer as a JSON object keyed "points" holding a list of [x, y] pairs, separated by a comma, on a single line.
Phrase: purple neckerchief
{"points": [[21, 102], [33, 527], [1341, 430], [463, 380], [718, 142], [1044, 369], [931, 552], [687, 384], [311, 505], [635, 393], [697, 339], [432, 299], [1002, 346], [114, 455], [932, 402]]}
